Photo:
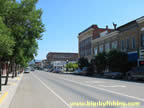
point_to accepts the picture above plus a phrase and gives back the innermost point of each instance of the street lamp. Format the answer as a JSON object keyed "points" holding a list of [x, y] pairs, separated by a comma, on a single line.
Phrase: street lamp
{"points": [[67, 65]]}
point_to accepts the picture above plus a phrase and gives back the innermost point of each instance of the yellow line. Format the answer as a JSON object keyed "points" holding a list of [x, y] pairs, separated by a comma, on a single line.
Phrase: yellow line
{"points": [[3, 96]]}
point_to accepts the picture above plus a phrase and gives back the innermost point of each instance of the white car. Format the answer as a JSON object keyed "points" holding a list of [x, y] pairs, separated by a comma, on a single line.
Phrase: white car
{"points": [[27, 70]]}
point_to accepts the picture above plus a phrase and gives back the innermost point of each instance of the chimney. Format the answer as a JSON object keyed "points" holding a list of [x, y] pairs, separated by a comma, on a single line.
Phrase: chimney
{"points": [[115, 25], [107, 27]]}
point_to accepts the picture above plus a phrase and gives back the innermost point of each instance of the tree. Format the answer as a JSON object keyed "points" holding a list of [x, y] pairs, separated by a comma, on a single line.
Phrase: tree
{"points": [[83, 62], [26, 26], [6, 46], [117, 61], [75, 66], [20, 28], [100, 61]]}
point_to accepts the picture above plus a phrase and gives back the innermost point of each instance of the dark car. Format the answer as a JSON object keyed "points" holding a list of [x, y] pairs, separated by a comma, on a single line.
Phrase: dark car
{"points": [[57, 71], [77, 72], [113, 74], [32, 69]]}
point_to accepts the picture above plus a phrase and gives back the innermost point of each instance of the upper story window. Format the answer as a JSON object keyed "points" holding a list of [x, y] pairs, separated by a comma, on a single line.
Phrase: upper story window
{"points": [[101, 48], [107, 47], [142, 40], [114, 44], [127, 43], [95, 51], [122, 44], [133, 42]]}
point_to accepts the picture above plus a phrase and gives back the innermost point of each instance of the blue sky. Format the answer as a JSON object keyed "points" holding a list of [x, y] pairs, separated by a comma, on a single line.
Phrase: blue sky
{"points": [[64, 19]]}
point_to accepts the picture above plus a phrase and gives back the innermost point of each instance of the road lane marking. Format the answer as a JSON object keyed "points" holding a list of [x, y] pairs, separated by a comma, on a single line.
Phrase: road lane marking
{"points": [[113, 92], [3, 97], [95, 82], [52, 91], [112, 86]]}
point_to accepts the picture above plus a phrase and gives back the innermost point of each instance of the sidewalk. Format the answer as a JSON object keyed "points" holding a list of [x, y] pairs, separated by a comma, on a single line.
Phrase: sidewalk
{"points": [[9, 90]]}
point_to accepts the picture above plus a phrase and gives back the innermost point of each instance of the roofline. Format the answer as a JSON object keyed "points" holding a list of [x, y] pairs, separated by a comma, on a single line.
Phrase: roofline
{"points": [[129, 22], [87, 28]]}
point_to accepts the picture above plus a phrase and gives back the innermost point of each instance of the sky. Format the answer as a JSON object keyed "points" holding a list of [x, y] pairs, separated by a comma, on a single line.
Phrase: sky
{"points": [[64, 19]]}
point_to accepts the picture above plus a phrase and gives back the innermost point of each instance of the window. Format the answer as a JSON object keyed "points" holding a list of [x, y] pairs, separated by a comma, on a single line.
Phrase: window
{"points": [[127, 43], [101, 48], [107, 47], [95, 51], [133, 42], [114, 44], [122, 44], [142, 40]]}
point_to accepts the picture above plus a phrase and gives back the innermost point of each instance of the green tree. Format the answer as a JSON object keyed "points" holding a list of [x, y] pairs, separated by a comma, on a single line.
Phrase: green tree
{"points": [[117, 61], [83, 62], [75, 66], [6, 46], [100, 61], [26, 26], [20, 28]]}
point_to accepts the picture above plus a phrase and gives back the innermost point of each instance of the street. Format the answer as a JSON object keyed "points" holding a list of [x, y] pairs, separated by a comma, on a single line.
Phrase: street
{"points": [[40, 89]]}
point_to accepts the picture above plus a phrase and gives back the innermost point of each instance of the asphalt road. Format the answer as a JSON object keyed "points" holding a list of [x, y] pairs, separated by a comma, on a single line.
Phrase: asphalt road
{"points": [[40, 89]]}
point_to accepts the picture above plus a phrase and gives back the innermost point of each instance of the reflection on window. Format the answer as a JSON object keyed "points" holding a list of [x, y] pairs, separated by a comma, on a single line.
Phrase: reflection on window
{"points": [[107, 47], [114, 44], [95, 51], [101, 48]]}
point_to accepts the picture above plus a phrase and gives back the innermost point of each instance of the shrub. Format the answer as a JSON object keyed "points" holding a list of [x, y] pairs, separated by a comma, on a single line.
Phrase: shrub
{"points": [[100, 62], [83, 62], [117, 61]]}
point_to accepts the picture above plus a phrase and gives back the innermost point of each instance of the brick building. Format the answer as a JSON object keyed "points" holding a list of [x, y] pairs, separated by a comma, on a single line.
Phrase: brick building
{"points": [[85, 40], [128, 38], [58, 59]]}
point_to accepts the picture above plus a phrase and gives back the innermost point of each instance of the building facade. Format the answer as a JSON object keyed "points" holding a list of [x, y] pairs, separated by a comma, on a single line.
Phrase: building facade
{"points": [[59, 60], [85, 40], [127, 38]]}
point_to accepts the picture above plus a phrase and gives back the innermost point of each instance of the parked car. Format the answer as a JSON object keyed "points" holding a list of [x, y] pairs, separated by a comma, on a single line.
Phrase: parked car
{"points": [[77, 72], [84, 71], [27, 70], [57, 71], [45, 69], [50, 70], [113, 74], [32, 69], [136, 73]]}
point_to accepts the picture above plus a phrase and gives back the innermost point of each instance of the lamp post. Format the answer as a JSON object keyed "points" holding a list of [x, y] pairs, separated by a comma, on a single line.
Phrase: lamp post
{"points": [[67, 65]]}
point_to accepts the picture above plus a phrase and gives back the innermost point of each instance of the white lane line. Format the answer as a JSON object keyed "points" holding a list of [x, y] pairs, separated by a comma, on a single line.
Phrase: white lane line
{"points": [[112, 86], [113, 92], [94, 82], [52, 91]]}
